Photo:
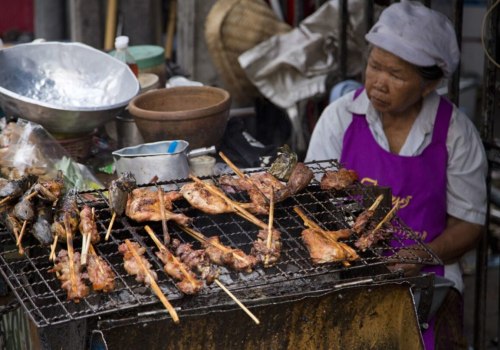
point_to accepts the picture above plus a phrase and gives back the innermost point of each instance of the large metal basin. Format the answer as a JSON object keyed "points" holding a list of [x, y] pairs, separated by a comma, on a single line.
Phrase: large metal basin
{"points": [[68, 88]]}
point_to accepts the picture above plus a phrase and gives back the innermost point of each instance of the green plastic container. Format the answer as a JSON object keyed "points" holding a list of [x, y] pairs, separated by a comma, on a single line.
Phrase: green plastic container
{"points": [[149, 59]]}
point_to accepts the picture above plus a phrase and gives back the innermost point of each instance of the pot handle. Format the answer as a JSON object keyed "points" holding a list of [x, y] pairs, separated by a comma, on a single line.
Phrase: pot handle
{"points": [[201, 151]]}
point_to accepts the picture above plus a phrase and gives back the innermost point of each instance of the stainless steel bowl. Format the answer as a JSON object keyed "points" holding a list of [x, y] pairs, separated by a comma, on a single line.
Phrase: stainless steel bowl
{"points": [[68, 88]]}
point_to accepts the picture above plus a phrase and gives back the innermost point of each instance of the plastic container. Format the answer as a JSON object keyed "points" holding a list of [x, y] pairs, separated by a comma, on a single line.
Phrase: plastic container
{"points": [[150, 59], [123, 54]]}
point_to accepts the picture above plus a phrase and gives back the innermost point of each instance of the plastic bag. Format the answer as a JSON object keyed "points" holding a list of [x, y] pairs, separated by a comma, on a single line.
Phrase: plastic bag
{"points": [[27, 148]]}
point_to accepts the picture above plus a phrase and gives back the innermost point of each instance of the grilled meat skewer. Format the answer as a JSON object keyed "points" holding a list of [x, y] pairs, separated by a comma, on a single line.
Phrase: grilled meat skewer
{"points": [[66, 207], [196, 260], [261, 251], [100, 273], [118, 192], [133, 268], [15, 188], [87, 224], [62, 270], [41, 229]]}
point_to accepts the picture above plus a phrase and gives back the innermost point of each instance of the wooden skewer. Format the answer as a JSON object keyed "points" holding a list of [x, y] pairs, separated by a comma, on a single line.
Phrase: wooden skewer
{"points": [[166, 236], [31, 195], [270, 227], [236, 207], [5, 200], [21, 234], [386, 218], [162, 248], [52, 255], [200, 237], [93, 252], [240, 304], [154, 286], [232, 166], [377, 202], [113, 217], [69, 242]]}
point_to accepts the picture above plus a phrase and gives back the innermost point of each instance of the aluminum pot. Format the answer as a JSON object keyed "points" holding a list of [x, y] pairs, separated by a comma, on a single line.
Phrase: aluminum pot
{"points": [[167, 160]]}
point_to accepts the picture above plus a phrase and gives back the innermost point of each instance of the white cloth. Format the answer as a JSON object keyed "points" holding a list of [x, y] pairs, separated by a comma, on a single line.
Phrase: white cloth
{"points": [[292, 67], [467, 166], [417, 34]]}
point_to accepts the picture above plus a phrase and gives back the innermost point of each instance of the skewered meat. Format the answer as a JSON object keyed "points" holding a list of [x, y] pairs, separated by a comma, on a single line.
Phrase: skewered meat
{"points": [[188, 283], [196, 260], [77, 291], [118, 192], [100, 274], [69, 208], [222, 255], [266, 255], [372, 236], [338, 180], [50, 190], [144, 205], [12, 223], [324, 249], [87, 224], [15, 188], [284, 163], [24, 209], [201, 199], [362, 220], [131, 265], [41, 227]]}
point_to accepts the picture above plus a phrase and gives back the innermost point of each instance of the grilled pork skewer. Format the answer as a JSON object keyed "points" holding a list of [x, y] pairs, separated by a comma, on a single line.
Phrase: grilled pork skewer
{"points": [[338, 180], [99, 272], [88, 229], [71, 279], [267, 247], [136, 264], [323, 245], [221, 255], [166, 236], [118, 194], [188, 283]]}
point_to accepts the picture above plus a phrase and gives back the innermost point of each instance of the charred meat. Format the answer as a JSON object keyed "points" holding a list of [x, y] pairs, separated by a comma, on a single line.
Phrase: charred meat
{"points": [[300, 177], [338, 180], [87, 224], [50, 190], [15, 188], [67, 207], [196, 260], [267, 256], [42, 225], [226, 256]]}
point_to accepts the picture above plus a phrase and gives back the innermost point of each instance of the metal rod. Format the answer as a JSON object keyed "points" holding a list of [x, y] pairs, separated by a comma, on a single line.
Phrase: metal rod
{"points": [[454, 83], [343, 20]]}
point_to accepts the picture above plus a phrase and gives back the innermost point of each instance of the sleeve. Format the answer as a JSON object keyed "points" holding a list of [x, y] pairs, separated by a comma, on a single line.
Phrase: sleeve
{"points": [[467, 170], [328, 134]]}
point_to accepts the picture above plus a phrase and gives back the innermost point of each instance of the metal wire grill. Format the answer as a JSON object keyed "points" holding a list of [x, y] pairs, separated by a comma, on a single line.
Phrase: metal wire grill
{"points": [[39, 292]]}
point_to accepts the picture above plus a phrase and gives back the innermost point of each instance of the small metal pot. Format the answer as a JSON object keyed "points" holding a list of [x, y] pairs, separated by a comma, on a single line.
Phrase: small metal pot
{"points": [[168, 160]]}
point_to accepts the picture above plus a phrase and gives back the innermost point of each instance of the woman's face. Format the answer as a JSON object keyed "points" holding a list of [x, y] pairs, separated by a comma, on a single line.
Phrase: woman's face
{"points": [[392, 84]]}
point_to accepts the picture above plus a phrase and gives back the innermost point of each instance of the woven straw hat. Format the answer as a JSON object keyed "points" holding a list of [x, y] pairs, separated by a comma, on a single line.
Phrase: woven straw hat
{"points": [[233, 27]]}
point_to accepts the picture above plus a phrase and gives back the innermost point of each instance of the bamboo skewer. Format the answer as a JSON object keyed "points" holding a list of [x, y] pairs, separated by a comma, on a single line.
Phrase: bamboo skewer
{"points": [[240, 304], [99, 265], [200, 237], [162, 248], [166, 236], [71, 262], [386, 218], [154, 286], [377, 202], [270, 227], [113, 217], [86, 240], [21, 234], [235, 206], [52, 255], [5, 200]]}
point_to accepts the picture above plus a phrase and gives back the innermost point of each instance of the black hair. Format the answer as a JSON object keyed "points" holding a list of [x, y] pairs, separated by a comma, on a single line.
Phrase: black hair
{"points": [[430, 72]]}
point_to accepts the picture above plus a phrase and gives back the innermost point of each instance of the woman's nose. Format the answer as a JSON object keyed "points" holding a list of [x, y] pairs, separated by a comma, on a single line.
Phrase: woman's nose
{"points": [[380, 84]]}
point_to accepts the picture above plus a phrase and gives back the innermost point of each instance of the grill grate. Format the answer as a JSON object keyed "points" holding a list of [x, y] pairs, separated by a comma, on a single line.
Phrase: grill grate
{"points": [[39, 292]]}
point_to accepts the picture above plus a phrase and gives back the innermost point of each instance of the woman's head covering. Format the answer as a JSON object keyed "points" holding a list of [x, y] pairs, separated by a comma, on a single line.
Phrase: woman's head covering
{"points": [[418, 35]]}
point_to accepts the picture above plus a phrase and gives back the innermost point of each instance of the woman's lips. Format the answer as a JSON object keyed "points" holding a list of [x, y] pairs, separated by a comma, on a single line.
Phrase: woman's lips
{"points": [[378, 101]]}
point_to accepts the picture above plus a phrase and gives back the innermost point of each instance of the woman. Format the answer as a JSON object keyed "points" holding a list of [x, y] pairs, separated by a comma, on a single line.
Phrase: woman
{"points": [[399, 132]]}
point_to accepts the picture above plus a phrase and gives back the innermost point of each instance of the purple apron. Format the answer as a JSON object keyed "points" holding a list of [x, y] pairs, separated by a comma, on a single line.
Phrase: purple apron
{"points": [[418, 182]]}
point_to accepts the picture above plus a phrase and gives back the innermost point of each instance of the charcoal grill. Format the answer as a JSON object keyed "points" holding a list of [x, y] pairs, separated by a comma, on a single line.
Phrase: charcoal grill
{"points": [[39, 293]]}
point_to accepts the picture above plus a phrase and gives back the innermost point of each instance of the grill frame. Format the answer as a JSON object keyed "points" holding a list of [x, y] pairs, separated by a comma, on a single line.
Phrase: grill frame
{"points": [[39, 293]]}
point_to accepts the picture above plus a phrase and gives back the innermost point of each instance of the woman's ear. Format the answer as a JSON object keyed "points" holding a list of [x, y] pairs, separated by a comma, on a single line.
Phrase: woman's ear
{"points": [[429, 86]]}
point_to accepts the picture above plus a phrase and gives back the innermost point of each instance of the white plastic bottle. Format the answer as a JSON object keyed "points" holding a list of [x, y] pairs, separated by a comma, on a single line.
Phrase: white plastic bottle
{"points": [[122, 53]]}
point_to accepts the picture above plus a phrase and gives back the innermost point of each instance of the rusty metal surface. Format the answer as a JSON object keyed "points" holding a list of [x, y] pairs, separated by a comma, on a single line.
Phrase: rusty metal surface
{"points": [[40, 294]]}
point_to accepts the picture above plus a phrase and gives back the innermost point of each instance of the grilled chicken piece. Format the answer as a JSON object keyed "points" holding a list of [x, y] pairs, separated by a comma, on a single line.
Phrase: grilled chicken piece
{"points": [[100, 274], [234, 258], [88, 225], [144, 205], [50, 190], [196, 260], [66, 207], [41, 227], [338, 180], [132, 267], [62, 270], [118, 192], [201, 199], [188, 283], [324, 248], [261, 251]]}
